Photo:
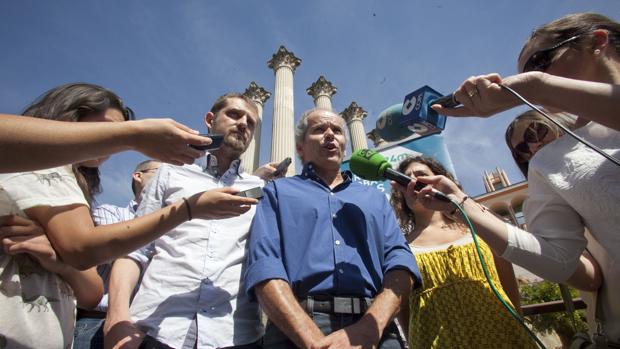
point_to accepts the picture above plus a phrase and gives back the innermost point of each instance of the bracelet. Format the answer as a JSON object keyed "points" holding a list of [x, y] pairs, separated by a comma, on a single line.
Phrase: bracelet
{"points": [[189, 209]]}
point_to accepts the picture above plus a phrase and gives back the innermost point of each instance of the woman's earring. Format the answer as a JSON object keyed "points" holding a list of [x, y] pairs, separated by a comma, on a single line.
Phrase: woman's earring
{"points": [[597, 52]]}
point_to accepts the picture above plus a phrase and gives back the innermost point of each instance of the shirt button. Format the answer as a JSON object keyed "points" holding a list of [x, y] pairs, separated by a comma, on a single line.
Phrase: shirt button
{"points": [[332, 194], [334, 215], [212, 308], [341, 271], [337, 242]]}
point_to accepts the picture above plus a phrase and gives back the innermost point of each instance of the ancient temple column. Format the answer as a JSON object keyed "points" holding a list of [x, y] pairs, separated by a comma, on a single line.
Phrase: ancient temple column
{"points": [[322, 92], [354, 115], [283, 64], [249, 159]]}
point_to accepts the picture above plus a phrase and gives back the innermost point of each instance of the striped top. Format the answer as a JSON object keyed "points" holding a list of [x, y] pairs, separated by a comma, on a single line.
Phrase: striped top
{"points": [[110, 214]]}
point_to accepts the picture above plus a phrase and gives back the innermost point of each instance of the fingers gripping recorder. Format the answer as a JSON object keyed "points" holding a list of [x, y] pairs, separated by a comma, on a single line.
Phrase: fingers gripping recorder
{"points": [[372, 166]]}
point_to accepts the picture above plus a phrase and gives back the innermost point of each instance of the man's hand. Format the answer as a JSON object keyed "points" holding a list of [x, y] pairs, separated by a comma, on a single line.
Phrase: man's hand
{"points": [[121, 334], [266, 171], [360, 335], [219, 204], [167, 140], [22, 235]]}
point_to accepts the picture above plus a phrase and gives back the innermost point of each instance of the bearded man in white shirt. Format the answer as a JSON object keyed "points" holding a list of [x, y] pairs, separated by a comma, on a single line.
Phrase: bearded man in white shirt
{"points": [[189, 296]]}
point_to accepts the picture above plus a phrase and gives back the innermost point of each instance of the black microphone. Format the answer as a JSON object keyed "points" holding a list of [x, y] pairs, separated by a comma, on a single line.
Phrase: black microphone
{"points": [[447, 101], [372, 166]]}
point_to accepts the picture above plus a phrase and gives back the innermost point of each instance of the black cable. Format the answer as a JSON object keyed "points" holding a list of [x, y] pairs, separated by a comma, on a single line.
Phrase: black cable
{"points": [[564, 128]]}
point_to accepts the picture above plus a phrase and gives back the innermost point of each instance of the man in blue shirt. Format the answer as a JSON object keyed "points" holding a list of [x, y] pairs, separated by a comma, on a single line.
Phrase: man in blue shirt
{"points": [[327, 259]]}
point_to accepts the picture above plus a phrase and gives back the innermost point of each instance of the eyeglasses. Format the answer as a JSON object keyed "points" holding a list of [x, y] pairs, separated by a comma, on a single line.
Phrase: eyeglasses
{"points": [[149, 170], [541, 60], [534, 133]]}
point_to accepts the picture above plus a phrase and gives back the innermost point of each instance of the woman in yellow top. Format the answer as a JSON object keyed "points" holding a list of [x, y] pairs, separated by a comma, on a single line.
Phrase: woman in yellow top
{"points": [[455, 308]]}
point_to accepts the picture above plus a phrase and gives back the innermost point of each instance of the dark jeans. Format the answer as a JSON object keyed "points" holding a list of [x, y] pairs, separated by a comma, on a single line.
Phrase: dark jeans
{"points": [[328, 323], [88, 333]]}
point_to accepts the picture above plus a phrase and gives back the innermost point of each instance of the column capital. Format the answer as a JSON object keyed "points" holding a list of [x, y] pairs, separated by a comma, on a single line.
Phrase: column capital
{"points": [[283, 58], [256, 93], [354, 112], [321, 87]]}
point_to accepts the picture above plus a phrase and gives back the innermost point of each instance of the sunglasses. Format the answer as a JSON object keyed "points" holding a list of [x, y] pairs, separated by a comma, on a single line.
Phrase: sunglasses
{"points": [[534, 133], [541, 60]]}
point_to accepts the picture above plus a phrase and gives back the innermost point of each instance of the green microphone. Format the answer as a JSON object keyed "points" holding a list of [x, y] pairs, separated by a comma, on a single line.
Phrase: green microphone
{"points": [[372, 166]]}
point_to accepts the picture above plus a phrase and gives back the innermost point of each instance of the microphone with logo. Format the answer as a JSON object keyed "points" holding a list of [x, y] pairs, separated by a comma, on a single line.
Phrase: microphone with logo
{"points": [[372, 166], [417, 114]]}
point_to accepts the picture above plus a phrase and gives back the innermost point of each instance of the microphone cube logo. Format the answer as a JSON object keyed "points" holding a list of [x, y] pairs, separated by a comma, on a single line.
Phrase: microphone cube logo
{"points": [[410, 104], [417, 114]]}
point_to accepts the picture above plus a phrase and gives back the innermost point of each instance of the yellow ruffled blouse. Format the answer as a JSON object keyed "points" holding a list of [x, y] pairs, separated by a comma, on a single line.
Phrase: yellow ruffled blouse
{"points": [[456, 308]]}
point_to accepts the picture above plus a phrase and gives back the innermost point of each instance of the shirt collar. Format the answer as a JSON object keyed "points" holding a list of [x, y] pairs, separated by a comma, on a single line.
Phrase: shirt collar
{"points": [[309, 172], [133, 206], [210, 166]]}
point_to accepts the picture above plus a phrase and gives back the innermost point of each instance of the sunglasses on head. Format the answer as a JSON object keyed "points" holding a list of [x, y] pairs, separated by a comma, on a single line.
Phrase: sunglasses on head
{"points": [[541, 60]]}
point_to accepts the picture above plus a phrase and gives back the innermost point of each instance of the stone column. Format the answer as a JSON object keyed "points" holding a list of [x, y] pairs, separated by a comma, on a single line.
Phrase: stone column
{"points": [[283, 64], [322, 92], [251, 156], [354, 115]]}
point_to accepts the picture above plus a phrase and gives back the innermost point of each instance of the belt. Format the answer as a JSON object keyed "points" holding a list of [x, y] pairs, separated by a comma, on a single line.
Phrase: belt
{"points": [[335, 305], [94, 314]]}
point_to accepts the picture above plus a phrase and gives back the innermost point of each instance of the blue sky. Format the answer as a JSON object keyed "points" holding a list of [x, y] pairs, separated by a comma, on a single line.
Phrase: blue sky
{"points": [[173, 58]]}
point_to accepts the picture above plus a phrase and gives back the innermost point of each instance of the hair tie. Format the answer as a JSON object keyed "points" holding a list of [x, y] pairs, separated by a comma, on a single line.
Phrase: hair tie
{"points": [[189, 209]]}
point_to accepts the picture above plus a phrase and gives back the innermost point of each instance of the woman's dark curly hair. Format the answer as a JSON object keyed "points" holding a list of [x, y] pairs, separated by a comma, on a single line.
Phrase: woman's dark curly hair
{"points": [[405, 216]]}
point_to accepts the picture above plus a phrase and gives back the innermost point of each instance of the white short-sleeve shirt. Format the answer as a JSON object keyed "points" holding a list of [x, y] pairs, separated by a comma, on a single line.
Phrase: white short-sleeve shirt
{"points": [[37, 307]]}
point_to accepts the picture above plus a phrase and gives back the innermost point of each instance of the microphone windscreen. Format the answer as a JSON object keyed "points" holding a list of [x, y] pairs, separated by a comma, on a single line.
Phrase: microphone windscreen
{"points": [[368, 164]]}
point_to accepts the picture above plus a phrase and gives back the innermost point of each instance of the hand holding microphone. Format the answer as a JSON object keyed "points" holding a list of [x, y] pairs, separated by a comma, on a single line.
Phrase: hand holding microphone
{"points": [[372, 166], [425, 187], [483, 95]]}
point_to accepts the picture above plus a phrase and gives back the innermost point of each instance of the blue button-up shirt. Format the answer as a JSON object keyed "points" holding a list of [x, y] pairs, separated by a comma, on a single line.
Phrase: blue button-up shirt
{"points": [[338, 242]]}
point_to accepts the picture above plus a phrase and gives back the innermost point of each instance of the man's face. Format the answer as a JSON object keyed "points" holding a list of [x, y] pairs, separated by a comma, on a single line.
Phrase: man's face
{"points": [[236, 121], [142, 177], [324, 142]]}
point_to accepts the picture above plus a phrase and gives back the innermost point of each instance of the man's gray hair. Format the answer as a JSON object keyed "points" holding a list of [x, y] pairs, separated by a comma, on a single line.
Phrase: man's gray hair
{"points": [[302, 124]]}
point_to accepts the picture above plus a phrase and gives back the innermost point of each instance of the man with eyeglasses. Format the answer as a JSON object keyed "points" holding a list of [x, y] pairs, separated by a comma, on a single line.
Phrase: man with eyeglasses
{"points": [[89, 325]]}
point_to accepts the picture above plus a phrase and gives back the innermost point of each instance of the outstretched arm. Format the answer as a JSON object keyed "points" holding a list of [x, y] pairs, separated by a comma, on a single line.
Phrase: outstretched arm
{"points": [[482, 96], [558, 259], [28, 144], [82, 245]]}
